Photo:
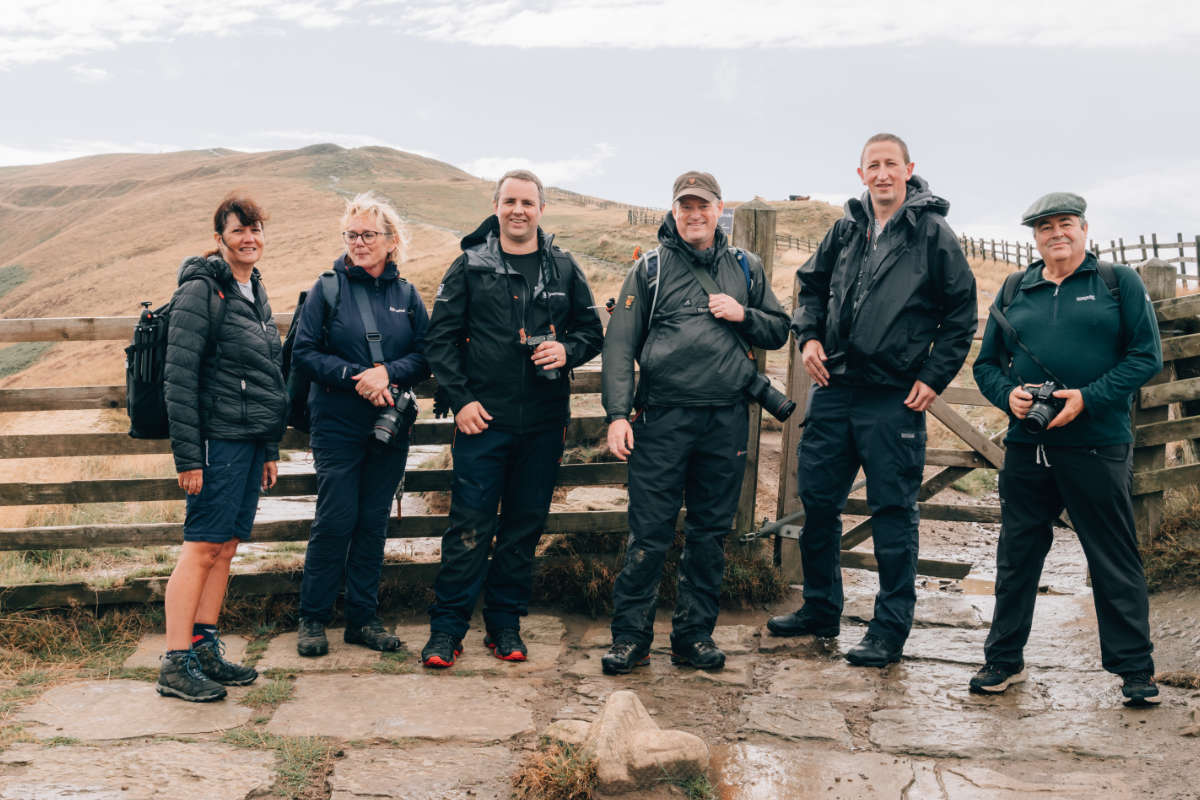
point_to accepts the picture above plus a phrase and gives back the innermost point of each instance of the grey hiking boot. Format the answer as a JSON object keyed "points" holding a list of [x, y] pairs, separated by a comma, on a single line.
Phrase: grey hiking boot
{"points": [[211, 655], [181, 676], [310, 638], [372, 634]]}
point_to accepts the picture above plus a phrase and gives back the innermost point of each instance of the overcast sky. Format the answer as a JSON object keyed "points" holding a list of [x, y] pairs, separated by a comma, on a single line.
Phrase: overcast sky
{"points": [[999, 102]]}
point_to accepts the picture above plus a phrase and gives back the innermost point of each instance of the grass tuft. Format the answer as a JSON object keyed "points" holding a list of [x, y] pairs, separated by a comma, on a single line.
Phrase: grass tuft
{"points": [[304, 762], [555, 771], [269, 695], [696, 787], [72, 638], [1172, 560], [1183, 679]]}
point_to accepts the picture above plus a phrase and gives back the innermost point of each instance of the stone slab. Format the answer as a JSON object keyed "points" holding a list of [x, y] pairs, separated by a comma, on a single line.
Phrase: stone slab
{"points": [[811, 645], [422, 706], [143, 771], [808, 679], [151, 648], [979, 734], [738, 671], [800, 720], [730, 638], [746, 771], [425, 772], [120, 709], [932, 609], [968, 782]]}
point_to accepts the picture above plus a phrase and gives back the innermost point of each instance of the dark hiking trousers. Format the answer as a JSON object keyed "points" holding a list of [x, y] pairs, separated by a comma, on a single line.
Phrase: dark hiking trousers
{"points": [[1094, 484], [355, 488], [695, 455], [515, 472], [848, 427]]}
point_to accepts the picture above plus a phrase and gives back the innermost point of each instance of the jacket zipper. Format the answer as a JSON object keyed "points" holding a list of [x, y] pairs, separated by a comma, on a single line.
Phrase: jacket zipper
{"points": [[244, 410]]}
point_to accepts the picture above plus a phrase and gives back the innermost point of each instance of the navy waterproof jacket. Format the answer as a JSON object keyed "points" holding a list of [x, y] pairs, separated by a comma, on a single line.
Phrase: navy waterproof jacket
{"points": [[339, 415]]}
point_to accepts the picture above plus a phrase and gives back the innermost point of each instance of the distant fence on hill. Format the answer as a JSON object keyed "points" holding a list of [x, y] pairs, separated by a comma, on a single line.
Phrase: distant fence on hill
{"points": [[1173, 252]]}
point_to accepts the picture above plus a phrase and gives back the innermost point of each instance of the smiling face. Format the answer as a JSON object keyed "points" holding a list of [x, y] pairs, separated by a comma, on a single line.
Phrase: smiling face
{"points": [[1061, 239], [240, 245], [884, 172], [696, 220], [370, 256], [519, 209]]}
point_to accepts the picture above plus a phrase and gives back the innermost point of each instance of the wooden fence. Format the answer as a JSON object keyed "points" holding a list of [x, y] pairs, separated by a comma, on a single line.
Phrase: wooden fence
{"points": [[1174, 252], [754, 229]]}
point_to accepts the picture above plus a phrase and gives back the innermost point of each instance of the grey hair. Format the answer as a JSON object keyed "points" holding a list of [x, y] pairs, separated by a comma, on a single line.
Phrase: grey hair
{"points": [[386, 217], [521, 175]]}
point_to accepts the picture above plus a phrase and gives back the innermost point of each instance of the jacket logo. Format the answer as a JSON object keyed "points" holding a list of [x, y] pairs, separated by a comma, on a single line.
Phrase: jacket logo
{"points": [[440, 287], [628, 300], [398, 310], [1085, 297]]}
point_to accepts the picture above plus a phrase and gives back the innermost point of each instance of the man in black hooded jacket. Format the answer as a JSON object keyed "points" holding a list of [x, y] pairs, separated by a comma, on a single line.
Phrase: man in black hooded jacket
{"points": [[689, 439], [511, 317], [884, 320]]}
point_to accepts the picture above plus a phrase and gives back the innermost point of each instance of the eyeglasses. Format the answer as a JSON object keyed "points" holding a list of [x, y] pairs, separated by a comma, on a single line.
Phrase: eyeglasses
{"points": [[368, 237]]}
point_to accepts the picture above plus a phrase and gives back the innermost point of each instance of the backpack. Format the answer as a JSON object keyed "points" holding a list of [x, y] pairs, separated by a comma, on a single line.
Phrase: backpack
{"points": [[297, 383], [145, 362]]}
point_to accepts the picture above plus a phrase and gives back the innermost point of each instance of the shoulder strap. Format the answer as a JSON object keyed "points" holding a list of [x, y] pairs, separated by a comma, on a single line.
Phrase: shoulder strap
{"points": [[1007, 292], [331, 294], [1108, 274], [651, 261], [710, 286], [217, 320], [742, 262], [374, 338]]}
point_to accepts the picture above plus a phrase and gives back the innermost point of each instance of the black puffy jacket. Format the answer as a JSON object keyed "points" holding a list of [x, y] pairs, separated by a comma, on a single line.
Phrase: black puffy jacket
{"points": [[233, 389], [473, 342], [917, 314]]}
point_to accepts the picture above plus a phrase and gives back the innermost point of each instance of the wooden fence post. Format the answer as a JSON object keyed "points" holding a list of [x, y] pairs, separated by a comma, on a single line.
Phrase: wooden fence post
{"points": [[754, 230], [799, 387], [1159, 278]]}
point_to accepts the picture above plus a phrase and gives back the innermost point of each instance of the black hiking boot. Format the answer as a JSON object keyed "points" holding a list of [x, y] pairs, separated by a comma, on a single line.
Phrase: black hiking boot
{"points": [[211, 655], [995, 678], [506, 644], [441, 650], [799, 623], [310, 638], [622, 657], [372, 634], [1140, 689], [873, 651], [180, 676], [702, 654]]}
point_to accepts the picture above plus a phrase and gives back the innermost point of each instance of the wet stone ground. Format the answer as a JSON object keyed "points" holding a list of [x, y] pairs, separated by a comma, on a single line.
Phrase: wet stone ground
{"points": [[787, 718]]}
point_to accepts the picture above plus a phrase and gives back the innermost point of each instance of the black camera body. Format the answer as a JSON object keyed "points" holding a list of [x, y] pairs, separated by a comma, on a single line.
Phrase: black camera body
{"points": [[532, 343], [1045, 406], [762, 392], [395, 419]]}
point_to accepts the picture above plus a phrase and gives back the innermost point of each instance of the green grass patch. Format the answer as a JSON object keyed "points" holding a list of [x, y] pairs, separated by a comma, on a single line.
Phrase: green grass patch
{"points": [[21, 356], [11, 277], [60, 741], [73, 638], [303, 762], [555, 771], [269, 695], [396, 662], [977, 483], [146, 674], [696, 787], [1172, 560]]}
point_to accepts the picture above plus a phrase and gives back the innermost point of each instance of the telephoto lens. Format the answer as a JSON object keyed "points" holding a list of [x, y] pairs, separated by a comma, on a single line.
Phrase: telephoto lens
{"points": [[762, 392]]}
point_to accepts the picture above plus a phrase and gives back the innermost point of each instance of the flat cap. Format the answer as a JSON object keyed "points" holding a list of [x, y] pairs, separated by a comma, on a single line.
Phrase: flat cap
{"points": [[697, 184], [1054, 203]]}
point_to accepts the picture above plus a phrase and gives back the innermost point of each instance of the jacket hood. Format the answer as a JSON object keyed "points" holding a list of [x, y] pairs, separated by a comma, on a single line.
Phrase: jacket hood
{"points": [[390, 270], [487, 236], [918, 199], [212, 267], [668, 236]]}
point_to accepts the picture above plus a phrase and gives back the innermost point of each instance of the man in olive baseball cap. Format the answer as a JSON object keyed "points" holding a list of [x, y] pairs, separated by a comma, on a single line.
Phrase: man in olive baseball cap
{"points": [[697, 184]]}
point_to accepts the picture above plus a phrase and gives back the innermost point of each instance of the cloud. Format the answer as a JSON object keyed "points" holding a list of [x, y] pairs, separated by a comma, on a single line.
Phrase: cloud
{"points": [[63, 149], [88, 74], [552, 173]]}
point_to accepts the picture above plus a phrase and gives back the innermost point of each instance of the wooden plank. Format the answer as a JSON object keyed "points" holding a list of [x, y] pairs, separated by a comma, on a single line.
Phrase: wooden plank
{"points": [[61, 445], [1176, 430], [855, 559], [68, 329], [950, 513], [967, 432], [150, 489], [68, 537], [1159, 480], [965, 396], [1176, 347], [1159, 280], [955, 458], [1161, 394], [62, 398], [1177, 307]]}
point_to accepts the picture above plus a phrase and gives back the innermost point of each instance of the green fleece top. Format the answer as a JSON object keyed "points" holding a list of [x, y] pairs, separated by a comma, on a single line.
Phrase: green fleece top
{"points": [[1089, 340]]}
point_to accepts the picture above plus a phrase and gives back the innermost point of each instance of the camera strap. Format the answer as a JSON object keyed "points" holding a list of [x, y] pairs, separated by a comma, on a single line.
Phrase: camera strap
{"points": [[1011, 332], [710, 286], [374, 337]]}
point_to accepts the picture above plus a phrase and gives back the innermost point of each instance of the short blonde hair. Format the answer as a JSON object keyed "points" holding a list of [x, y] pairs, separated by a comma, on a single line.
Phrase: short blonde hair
{"points": [[386, 217]]}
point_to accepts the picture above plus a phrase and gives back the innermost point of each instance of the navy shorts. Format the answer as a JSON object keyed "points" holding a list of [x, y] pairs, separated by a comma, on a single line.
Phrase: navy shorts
{"points": [[227, 502]]}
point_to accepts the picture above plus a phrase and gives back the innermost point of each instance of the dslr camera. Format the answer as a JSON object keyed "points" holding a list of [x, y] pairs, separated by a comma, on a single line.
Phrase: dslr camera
{"points": [[762, 392], [1045, 406], [395, 419], [532, 343]]}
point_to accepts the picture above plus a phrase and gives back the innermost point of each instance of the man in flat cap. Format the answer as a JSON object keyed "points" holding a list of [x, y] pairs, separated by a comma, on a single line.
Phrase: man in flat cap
{"points": [[684, 313], [1068, 342], [884, 320]]}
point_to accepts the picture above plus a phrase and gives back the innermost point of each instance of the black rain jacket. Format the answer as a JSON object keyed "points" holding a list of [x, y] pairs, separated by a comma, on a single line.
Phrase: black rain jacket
{"points": [[473, 342], [234, 390], [917, 314]]}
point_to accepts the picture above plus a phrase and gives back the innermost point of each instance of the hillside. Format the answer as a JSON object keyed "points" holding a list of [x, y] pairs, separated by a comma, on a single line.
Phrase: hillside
{"points": [[95, 236]]}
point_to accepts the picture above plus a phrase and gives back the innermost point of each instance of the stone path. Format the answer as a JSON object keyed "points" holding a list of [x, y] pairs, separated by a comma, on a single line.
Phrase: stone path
{"points": [[786, 718]]}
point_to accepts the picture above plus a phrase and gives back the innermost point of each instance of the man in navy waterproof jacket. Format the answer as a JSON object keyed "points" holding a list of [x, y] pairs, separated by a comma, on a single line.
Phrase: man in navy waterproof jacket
{"points": [[511, 317], [884, 320], [1100, 343]]}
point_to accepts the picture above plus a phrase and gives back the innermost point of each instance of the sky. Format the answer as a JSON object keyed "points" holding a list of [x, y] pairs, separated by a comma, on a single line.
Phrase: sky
{"points": [[999, 102]]}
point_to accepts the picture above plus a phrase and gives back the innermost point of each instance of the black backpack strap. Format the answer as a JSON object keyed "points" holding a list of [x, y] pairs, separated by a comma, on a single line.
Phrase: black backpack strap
{"points": [[331, 293], [651, 263], [215, 321], [1108, 274], [374, 337]]}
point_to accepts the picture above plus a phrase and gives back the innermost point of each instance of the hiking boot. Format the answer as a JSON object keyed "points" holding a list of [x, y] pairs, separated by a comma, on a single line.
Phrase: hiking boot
{"points": [[1140, 689], [506, 645], [799, 623], [441, 650], [310, 638], [995, 678], [180, 676], [372, 634], [702, 654], [873, 651], [211, 655], [622, 657]]}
